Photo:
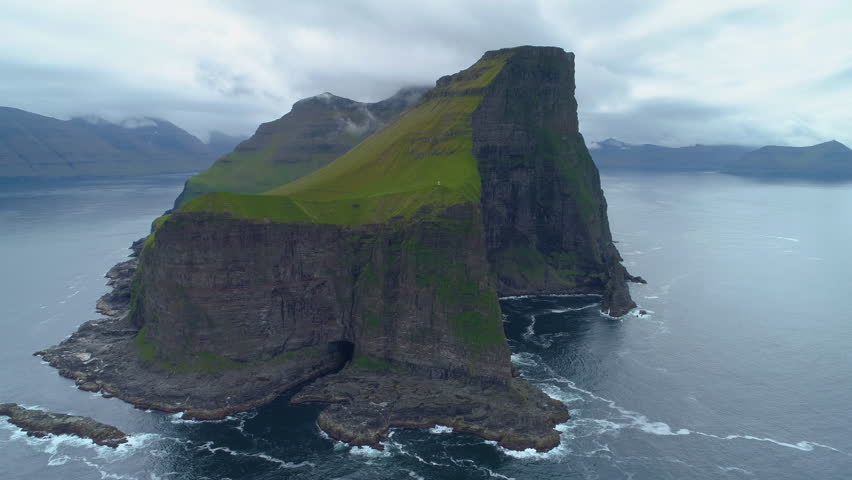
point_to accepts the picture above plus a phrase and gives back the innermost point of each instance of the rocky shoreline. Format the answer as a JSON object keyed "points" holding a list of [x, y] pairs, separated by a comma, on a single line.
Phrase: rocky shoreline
{"points": [[366, 405], [38, 423]]}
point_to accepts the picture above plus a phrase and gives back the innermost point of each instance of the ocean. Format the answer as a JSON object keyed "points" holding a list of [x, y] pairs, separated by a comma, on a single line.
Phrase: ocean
{"points": [[740, 368]]}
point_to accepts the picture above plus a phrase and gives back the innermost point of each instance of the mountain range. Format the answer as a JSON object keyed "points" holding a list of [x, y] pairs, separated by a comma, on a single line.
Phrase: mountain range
{"points": [[33, 145], [825, 161]]}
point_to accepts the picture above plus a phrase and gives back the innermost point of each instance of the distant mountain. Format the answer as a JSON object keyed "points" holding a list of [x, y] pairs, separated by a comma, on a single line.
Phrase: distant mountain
{"points": [[222, 143], [34, 145], [825, 161], [316, 131], [614, 154]]}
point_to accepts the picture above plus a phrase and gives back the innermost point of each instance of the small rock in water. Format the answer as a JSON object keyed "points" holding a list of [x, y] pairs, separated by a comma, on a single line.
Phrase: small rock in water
{"points": [[38, 423]]}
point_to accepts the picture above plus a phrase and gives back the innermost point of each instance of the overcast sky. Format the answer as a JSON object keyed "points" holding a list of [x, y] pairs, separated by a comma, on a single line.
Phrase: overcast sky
{"points": [[668, 72]]}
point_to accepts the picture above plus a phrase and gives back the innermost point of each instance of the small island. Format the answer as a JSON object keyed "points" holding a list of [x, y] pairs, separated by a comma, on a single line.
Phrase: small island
{"points": [[38, 423], [376, 277]]}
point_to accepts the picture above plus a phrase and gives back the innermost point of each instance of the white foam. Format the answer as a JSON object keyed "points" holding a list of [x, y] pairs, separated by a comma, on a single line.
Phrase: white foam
{"points": [[643, 423], [368, 451], [804, 445], [575, 309], [441, 429], [565, 295], [467, 463], [735, 469], [281, 463], [177, 418], [413, 474], [56, 460], [525, 359], [789, 239], [530, 331]]}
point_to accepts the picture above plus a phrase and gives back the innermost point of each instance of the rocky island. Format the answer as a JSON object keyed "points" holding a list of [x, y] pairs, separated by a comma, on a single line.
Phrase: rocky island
{"points": [[377, 276], [37, 423]]}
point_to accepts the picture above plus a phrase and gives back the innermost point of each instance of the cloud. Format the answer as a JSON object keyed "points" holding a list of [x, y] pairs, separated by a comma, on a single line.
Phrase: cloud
{"points": [[673, 72]]}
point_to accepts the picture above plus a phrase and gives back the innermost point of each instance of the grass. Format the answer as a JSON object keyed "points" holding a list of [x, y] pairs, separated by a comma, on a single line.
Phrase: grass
{"points": [[274, 208], [481, 74], [423, 158], [369, 363]]}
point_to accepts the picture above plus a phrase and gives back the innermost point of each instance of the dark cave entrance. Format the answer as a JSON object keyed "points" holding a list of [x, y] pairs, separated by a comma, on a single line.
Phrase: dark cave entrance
{"points": [[341, 350]]}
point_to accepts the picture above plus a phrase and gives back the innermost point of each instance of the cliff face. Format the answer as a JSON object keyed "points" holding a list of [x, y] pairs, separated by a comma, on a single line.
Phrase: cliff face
{"points": [[402, 294], [316, 131], [544, 211], [386, 262]]}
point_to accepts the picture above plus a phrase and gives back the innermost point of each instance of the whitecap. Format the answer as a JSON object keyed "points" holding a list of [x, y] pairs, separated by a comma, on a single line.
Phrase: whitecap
{"points": [[263, 456], [735, 469], [574, 309], [789, 239], [368, 451], [441, 429], [530, 331], [467, 463], [557, 295], [524, 359]]}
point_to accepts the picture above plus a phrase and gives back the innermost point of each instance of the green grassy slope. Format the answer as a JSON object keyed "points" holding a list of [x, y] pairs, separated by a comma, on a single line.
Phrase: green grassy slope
{"points": [[423, 158], [314, 133]]}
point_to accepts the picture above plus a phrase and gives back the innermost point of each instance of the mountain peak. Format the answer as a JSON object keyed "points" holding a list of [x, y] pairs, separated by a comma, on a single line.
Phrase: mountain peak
{"points": [[611, 143], [834, 145]]}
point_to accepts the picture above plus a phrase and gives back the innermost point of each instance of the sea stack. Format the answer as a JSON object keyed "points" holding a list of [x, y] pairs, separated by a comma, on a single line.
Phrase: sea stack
{"points": [[384, 266]]}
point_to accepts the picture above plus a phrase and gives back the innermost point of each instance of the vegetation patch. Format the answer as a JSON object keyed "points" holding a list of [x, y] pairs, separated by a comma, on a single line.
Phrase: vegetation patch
{"points": [[480, 329], [249, 207], [369, 363], [422, 159]]}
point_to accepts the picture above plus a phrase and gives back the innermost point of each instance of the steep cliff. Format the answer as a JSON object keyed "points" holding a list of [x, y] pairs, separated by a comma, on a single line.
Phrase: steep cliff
{"points": [[544, 211], [386, 262], [316, 131]]}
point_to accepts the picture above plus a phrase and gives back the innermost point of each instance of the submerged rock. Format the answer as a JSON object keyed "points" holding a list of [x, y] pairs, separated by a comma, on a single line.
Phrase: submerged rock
{"points": [[38, 423]]}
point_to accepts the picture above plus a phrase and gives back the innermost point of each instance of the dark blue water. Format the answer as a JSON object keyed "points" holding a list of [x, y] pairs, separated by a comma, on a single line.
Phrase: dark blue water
{"points": [[742, 368]]}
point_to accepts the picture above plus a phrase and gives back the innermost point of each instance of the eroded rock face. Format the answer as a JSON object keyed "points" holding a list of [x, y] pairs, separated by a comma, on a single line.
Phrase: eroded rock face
{"points": [[38, 423], [544, 211], [401, 293]]}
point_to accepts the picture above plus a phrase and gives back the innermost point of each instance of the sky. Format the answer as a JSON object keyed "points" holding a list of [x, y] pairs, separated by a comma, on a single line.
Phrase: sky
{"points": [[749, 72]]}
